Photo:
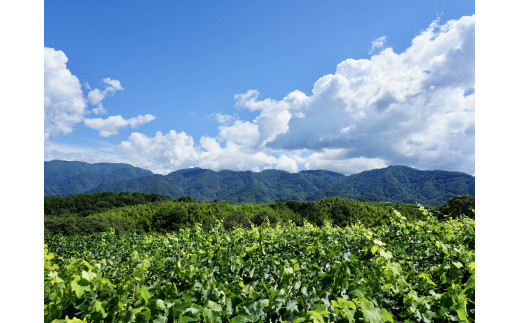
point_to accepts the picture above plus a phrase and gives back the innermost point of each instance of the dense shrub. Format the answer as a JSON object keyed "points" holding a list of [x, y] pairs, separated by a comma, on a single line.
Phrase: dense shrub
{"points": [[457, 206], [340, 214], [78, 225], [264, 216], [186, 198], [309, 211], [87, 204], [167, 220], [235, 220], [172, 215]]}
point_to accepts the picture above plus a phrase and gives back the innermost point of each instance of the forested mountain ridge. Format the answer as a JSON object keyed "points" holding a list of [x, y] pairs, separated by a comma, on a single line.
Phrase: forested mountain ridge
{"points": [[226, 185], [393, 183], [402, 184], [74, 177]]}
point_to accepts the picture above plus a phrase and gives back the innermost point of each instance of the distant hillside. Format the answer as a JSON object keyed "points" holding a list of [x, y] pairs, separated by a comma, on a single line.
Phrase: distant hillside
{"points": [[73, 177], [232, 186], [401, 184], [392, 184]]}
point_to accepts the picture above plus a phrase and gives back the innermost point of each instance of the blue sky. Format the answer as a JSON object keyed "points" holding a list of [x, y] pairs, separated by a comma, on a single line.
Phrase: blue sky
{"points": [[339, 85]]}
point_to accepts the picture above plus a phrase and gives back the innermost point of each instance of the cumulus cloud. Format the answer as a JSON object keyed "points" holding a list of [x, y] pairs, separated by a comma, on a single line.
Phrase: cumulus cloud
{"points": [[376, 44], [337, 160], [109, 126], [274, 115], [241, 132], [395, 108], [224, 119], [100, 109], [64, 104], [95, 96], [412, 108], [161, 153], [287, 163], [61, 151], [112, 85], [230, 155], [165, 153]]}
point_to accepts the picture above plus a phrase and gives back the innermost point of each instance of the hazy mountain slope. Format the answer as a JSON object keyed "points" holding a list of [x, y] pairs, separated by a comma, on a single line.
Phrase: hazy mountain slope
{"points": [[72, 177], [409, 185], [394, 183], [235, 186]]}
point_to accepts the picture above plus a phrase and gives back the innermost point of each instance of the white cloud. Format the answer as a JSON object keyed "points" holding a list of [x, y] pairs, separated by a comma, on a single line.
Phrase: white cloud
{"points": [[274, 115], [224, 119], [287, 163], [64, 103], [62, 151], [160, 154], [230, 156], [337, 160], [406, 108], [241, 132], [100, 109], [113, 85], [376, 44], [166, 153], [109, 126], [95, 96]]}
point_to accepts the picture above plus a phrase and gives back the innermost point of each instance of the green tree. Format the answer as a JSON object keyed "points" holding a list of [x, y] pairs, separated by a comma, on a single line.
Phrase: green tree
{"points": [[171, 219], [236, 219], [186, 198], [340, 213], [264, 215], [459, 205]]}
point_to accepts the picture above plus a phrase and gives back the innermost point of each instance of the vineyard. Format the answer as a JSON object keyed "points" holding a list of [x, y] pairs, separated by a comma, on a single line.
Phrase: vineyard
{"points": [[403, 271]]}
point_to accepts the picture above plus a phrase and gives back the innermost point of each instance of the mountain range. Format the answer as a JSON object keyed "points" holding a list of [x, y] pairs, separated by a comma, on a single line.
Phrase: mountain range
{"points": [[390, 184]]}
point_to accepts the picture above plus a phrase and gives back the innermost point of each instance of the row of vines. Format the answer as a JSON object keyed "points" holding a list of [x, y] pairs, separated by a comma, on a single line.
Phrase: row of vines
{"points": [[420, 271]]}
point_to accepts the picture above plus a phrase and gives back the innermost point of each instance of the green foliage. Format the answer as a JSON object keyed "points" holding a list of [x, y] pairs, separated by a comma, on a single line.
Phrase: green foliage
{"points": [[340, 213], [166, 214], [403, 271], [410, 211], [457, 206], [86, 204], [307, 210], [167, 220], [88, 225], [185, 198], [236, 220], [267, 216]]}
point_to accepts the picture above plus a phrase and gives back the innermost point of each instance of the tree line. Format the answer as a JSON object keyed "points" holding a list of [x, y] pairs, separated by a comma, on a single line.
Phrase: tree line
{"points": [[151, 212]]}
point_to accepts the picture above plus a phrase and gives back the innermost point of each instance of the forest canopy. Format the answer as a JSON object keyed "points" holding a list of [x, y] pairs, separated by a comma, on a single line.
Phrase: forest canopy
{"points": [[151, 212]]}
